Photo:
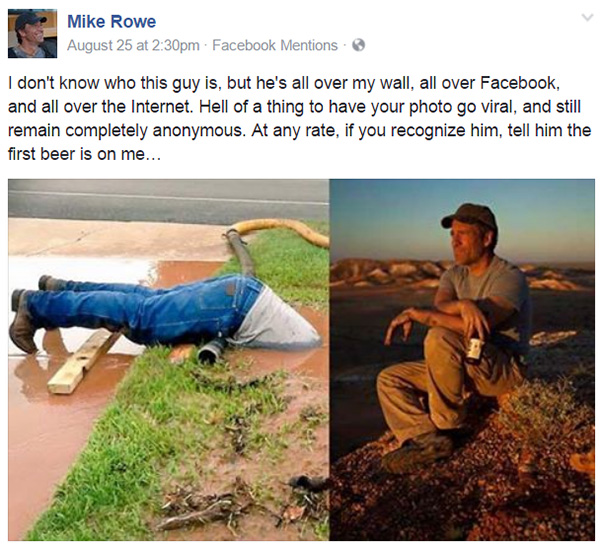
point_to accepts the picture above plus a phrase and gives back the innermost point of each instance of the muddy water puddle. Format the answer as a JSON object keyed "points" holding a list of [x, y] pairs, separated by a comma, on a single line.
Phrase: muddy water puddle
{"points": [[313, 363], [46, 432]]}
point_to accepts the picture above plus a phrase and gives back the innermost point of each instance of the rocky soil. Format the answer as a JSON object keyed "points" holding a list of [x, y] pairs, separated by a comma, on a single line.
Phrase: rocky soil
{"points": [[478, 494], [499, 484]]}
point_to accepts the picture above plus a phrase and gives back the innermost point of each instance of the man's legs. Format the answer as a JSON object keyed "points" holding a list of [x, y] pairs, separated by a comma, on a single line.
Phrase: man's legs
{"points": [[444, 357], [184, 314], [404, 388], [402, 391], [442, 376], [50, 310], [497, 373], [93, 309], [54, 284], [87, 286]]}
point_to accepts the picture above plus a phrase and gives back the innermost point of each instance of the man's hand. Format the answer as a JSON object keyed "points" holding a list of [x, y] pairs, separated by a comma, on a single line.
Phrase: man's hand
{"points": [[404, 320], [475, 321]]}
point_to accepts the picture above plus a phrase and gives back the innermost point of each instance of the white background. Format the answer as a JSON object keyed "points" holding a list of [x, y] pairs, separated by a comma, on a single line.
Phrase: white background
{"points": [[450, 40], [420, 38]]}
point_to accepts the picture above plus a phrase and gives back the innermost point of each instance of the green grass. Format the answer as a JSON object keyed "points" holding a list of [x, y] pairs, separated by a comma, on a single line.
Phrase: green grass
{"points": [[311, 417], [163, 417], [166, 421], [292, 267]]}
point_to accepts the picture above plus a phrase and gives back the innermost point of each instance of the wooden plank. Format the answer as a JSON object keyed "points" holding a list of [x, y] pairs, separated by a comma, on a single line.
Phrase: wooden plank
{"points": [[71, 373]]}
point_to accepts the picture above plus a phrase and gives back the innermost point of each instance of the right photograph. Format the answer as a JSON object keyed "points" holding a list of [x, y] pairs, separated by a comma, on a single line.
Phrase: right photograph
{"points": [[462, 359]]}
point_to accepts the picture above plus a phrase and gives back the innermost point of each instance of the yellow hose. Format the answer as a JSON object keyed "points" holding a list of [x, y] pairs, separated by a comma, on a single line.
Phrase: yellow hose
{"points": [[307, 233]]}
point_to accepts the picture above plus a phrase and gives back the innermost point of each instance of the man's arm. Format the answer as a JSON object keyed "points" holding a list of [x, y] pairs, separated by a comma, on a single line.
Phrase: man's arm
{"points": [[472, 319], [429, 318], [463, 316], [478, 317]]}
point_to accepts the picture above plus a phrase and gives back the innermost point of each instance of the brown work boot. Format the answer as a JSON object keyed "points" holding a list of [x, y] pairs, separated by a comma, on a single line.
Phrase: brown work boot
{"points": [[418, 452], [21, 331], [49, 283]]}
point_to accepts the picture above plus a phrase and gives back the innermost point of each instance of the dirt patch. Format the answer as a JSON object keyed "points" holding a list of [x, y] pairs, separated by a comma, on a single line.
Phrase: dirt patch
{"points": [[241, 510], [295, 442], [480, 493]]}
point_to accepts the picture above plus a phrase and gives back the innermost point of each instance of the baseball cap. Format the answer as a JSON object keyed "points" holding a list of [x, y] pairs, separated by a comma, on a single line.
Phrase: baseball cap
{"points": [[470, 212], [28, 18]]}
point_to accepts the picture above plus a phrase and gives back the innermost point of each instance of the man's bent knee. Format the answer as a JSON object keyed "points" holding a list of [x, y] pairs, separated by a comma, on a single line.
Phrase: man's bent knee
{"points": [[443, 340], [384, 380], [450, 419]]}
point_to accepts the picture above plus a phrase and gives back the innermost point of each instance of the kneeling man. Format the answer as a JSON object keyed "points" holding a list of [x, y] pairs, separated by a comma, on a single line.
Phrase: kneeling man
{"points": [[481, 298]]}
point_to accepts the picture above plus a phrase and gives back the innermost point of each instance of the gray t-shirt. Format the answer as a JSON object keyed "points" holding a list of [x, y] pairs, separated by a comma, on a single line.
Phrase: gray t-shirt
{"points": [[39, 53], [503, 280]]}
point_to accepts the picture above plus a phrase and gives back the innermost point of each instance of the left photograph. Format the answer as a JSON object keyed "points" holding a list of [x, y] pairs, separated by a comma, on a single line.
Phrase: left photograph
{"points": [[168, 359]]}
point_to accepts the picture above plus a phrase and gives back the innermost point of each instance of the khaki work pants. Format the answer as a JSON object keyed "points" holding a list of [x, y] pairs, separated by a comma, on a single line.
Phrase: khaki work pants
{"points": [[422, 396]]}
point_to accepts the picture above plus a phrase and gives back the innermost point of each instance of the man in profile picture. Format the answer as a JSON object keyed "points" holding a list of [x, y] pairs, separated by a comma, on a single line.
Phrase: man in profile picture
{"points": [[30, 35]]}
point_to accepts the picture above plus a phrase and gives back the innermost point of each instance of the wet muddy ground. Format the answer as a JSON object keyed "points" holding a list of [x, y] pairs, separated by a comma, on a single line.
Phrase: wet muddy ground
{"points": [[46, 432], [307, 391], [309, 457]]}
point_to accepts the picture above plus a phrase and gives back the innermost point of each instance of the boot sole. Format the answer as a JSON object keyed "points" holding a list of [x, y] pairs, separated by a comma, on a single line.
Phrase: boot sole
{"points": [[42, 282], [15, 299]]}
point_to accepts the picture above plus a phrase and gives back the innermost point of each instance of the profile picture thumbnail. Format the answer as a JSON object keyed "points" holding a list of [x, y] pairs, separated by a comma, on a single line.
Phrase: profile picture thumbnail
{"points": [[32, 34]]}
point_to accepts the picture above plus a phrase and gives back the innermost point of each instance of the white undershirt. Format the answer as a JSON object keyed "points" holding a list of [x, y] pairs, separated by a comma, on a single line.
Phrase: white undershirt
{"points": [[271, 323]]}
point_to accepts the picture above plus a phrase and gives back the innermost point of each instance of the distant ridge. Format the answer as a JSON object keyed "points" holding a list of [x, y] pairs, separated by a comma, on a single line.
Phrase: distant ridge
{"points": [[425, 274]]}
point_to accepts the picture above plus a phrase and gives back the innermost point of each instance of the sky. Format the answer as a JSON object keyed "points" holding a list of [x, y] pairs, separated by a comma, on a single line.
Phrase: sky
{"points": [[539, 220]]}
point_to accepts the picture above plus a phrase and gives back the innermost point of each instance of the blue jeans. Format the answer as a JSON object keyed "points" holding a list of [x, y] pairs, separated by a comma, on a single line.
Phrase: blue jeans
{"points": [[183, 314]]}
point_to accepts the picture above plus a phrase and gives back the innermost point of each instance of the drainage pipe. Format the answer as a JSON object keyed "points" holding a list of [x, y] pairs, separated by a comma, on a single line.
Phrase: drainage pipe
{"points": [[239, 248], [212, 351]]}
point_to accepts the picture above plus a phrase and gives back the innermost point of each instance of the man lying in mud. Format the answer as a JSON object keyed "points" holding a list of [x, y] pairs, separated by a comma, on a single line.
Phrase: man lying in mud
{"points": [[482, 298], [239, 309]]}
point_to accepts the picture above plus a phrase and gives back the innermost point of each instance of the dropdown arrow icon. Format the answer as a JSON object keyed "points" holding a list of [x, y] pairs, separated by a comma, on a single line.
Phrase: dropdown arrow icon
{"points": [[587, 17]]}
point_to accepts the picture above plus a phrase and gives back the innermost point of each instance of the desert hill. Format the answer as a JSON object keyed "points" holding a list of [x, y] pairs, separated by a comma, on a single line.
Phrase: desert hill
{"points": [[425, 274]]}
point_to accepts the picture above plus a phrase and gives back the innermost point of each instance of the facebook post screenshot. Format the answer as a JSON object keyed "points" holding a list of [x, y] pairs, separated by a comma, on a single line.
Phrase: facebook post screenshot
{"points": [[317, 271]]}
